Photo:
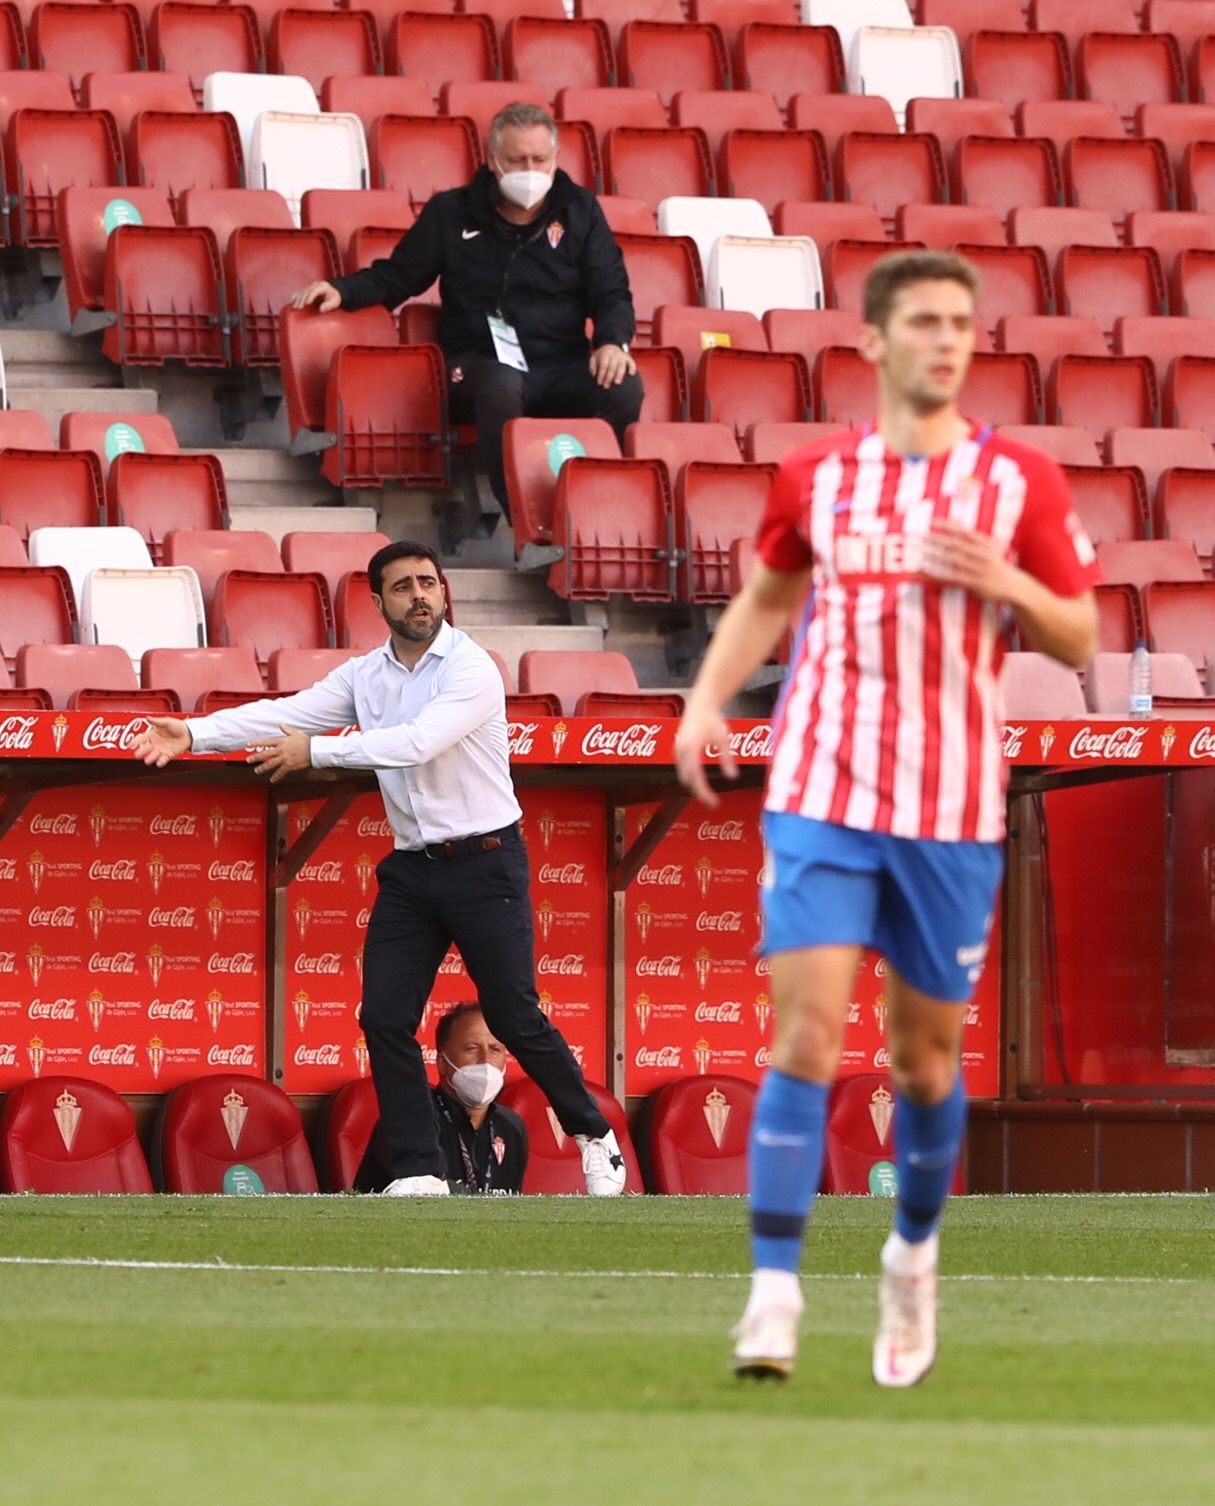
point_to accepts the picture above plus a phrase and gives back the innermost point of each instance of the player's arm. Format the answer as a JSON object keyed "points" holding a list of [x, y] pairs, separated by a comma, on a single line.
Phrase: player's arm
{"points": [[748, 631]]}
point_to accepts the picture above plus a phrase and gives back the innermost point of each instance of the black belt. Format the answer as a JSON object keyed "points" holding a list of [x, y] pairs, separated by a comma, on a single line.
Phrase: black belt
{"points": [[460, 847]]}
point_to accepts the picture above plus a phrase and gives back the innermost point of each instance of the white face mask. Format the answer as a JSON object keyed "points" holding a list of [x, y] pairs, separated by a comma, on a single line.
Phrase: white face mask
{"points": [[477, 1085], [526, 189]]}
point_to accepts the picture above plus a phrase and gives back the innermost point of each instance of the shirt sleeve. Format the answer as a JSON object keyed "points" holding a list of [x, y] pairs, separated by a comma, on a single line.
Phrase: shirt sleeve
{"points": [[1050, 542], [321, 708], [471, 694], [781, 543]]}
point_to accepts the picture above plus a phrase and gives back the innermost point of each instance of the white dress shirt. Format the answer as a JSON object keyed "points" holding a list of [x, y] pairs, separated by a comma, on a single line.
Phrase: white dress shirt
{"points": [[435, 735]]}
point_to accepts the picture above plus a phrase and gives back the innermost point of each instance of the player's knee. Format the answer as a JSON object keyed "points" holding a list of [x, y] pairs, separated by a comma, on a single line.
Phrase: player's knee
{"points": [[923, 1075], [807, 1045]]}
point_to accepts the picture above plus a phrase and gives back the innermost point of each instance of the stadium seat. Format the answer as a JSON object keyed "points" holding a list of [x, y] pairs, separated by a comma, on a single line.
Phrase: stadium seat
{"points": [[292, 669], [578, 155], [784, 60], [834, 116], [848, 263], [1003, 388], [36, 606], [227, 210], [1107, 682], [436, 48], [949, 120], [16, 698], [1075, 18], [945, 225], [1188, 20], [568, 674], [371, 97], [769, 443], [1014, 66], [212, 552], [845, 386], [670, 56], [887, 171], [699, 1129], [848, 17], [1177, 126], [965, 16], [245, 96], [292, 153], [628, 216], [1154, 451], [826, 223], [307, 344], [58, 488], [331, 554], [109, 435], [705, 219], [1196, 188], [24, 429], [808, 330], [1107, 282], [69, 1135], [1171, 234], [714, 505], [655, 164], [78, 39], [388, 409], [1193, 286], [126, 95], [773, 166], [662, 269], [156, 494], [264, 268], [665, 380], [1119, 619], [676, 444], [81, 549], [36, 89], [603, 108], [13, 52], [612, 519], [1036, 687], [214, 1123], [354, 1112], [142, 608], [196, 673], [694, 330], [165, 287], [1111, 501], [481, 99], [48, 150], [1016, 281], [1053, 229], [1067, 446], [718, 111], [63, 669], [317, 45], [1180, 619], [759, 273], [357, 622], [344, 212], [742, 387], [890, 62], [1006, 173], [1062, 120], [267, 611], [859, 1139], [1141, 563], [87, 216], [1130, 70], [577, 53], [1188, 391], [1046, 338], [1119, 177], [554, 1161], [418, 156], [1185, 509], [174, 153], [1099, 393], [201, 39]]}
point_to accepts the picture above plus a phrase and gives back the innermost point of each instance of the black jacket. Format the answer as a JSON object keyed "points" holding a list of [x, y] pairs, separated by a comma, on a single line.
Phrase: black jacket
{"points": [[546, 278], [490, 1159]]}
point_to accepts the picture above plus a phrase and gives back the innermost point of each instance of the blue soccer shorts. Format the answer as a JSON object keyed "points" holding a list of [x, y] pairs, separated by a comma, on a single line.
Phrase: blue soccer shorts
{"points": [[926, 906]]}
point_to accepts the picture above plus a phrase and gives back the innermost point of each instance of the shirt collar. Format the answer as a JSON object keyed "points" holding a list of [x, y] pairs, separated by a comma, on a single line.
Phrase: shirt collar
{"points": [[441, 647]]}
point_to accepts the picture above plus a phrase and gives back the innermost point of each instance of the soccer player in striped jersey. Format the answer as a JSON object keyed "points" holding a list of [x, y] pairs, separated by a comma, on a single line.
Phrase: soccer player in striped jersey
{"points": [[920, 536]]}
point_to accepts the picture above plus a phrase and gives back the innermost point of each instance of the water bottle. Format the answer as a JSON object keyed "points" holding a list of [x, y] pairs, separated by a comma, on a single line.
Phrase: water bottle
{"points": [[1141, 681]]}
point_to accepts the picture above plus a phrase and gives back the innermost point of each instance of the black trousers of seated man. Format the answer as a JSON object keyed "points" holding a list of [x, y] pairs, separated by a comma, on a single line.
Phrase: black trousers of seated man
{"points": [[489, 394], [479, 900]]}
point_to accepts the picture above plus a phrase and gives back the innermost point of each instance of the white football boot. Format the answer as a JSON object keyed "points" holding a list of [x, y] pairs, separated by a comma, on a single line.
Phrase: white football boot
{"points": [[906, 1344], [602, 1164], [417, 1187], [765, 1337]]}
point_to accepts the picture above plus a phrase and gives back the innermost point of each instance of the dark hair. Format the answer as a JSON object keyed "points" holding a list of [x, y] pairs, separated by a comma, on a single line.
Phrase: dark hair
{"points": [[447, 1023], [896, 271], [403, 549]]}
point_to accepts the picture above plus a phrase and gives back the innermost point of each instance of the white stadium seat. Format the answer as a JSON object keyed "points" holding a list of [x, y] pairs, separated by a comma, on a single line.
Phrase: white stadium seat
{"points": [[756, 275], [848, 16], [143, 609], [927, 64], [246, 95], [79, 550], [293, 153], [707, 219]]}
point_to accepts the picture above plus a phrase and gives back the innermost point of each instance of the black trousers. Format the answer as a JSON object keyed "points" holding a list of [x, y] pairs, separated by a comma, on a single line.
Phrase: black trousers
{"points": [[489, 394], [481, 902]]}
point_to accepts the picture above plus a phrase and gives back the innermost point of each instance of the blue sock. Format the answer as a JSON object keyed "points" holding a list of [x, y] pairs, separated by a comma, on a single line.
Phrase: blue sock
{"points": [[927, 1140], [786, 1164]]}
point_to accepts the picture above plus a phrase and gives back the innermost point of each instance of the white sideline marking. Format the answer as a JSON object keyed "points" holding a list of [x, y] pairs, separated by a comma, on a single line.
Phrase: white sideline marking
{"points": [[91, 1263]]}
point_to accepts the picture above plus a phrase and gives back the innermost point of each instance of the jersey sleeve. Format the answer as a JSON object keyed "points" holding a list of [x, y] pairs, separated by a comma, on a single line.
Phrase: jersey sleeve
{"points": [[1050, 542], [781, 543]]}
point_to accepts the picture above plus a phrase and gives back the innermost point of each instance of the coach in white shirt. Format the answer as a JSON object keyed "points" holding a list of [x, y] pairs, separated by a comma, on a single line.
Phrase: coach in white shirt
{"points": [[431, 713]]}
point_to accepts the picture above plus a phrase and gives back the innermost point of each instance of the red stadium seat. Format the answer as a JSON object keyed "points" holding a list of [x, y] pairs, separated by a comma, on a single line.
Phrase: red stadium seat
{"points": [[436, 48], [354, 1112], [679, 443], [210, 553], [176, 152], [1099, 393], [569, 674], [24, 429], [1197, 185], [264, 612], [554, 1161], [1119, 619], [1177, 126], [1175, 684], [419, 156], [86, 218], [503, 11], [1202, 71], [36, 89], [369, 98], [1141, 563], [886, 171], [655, 164], [1047, 338], [198, 39], [576, 54], [331, 554], [1037, 687], [717, 111], [12, 38], [109, 435], [388, 408], [317, 45], [949, 120], [264, 268], [1119, 177], [845, 386], [534, 451], [809, 330], [1187, 20], [165, 287], [1075, 18], [126, 95], [669, 56], [860, 1137], [714, 505], [62, 669], [773, 166], [214, 1123], [1111, 501], [665, 380], [694, 330], [357, 622], [603, 109], [1106, 282], [1062, 120], [578, 155], [826, 223], [612, 519], [50, 488], [1053, 229], [307, 344], [1003, 388], [965, 16], [848, 263], [1004, 174], [635, 705], [195, 673], [1185, 509], [47, 151], [1016, 280], [292, 669], [345, 212], [1194, 283], [481, 99], [1170, 234], [628, 216], [615, 13], [834, 116], [1130, 70], [1180, 619], [768, 444], [36, 606], [946, 225], [1163, 340], [662, 269], [1015, 66], [79, 39], [1154, 451], [698, 1136], [742, 387], [1068, 446], [226, 210], [1189, 390], [784, 60], [69, 1135], [157, 494]]}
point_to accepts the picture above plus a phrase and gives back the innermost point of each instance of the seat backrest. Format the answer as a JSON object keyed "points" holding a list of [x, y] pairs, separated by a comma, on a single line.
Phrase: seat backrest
{"points": [[652, 164], [36, 606], [307, 343], [1180, 618], [1037, 686], [292, 669], [533, 452], [755, 275], [142, 609], [86, 218], [714, 505], [604, 108], [158, 493], [319, 44], [78, 39], [419, 156], [125, 95], [292, 153], [227, 209], [1069, 446], [353, 1114], [479, 100], [662, 269], [109, 435], [81, 550], [442, 46], [569, 673], [246, 95], [693, 331], [698, 1136], [372, 96], [388, 409], [612, 519], [64, 668], [1107, 681], [554, 1162], [769, 443], [69, 1135], [209, 552], [266, 612], [1141, 562], [886, 61], [1155, 451], [330, 554], [193, 672], [200, 39], [717, 111], [215, 1123], [676, 444], [859, 1150]]}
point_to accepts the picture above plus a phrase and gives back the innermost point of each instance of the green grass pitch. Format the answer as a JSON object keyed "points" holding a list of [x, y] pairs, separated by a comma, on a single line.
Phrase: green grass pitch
{"points": [[353, 1352]]}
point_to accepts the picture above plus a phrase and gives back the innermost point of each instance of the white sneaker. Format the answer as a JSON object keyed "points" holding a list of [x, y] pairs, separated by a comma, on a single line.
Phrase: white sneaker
{"points": [[602, 1164], [906, 1343], [417, 1187], [765, 1338]]}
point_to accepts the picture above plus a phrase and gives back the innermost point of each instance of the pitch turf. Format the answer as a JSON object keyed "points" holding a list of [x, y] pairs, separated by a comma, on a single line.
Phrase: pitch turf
{"points": [[563, 1351]]}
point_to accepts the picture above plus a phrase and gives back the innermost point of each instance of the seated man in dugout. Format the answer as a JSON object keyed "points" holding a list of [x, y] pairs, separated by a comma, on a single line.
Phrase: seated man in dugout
{"points": [[524, 259], [485, 1145]]}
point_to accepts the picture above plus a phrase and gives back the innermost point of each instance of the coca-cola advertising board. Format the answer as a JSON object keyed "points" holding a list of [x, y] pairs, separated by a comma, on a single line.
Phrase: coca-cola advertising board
{"points": [[699, 995], [132, 930]]}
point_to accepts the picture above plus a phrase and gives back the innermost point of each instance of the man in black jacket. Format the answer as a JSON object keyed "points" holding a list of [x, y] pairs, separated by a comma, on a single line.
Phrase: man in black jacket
{"points": [[524, 258]]}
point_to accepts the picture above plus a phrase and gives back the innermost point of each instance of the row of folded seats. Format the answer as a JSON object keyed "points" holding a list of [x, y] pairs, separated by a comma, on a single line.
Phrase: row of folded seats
{"points": [[1038, 688], [73, 1135]]}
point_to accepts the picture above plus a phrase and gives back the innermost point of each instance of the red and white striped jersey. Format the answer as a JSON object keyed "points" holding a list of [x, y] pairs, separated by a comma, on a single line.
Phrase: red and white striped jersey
{"points": [[890, 719]]}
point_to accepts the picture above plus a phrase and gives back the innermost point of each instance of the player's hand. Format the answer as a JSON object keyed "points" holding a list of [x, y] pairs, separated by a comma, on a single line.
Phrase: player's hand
{"points": [[610, 365], [162, 740], [323, 295], [958, 556], [280, 756], [700, 729]]}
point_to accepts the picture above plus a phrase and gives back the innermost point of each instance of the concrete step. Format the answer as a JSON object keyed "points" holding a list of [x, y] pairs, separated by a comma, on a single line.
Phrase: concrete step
{"points": [[502, 597], [512, 639], [47, 358], [276, 521], [270, 478], [54, 402]]}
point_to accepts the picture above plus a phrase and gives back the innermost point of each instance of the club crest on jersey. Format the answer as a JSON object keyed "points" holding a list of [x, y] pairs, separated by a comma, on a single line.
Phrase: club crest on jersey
{"points": [[555, 231], [969, 491]]}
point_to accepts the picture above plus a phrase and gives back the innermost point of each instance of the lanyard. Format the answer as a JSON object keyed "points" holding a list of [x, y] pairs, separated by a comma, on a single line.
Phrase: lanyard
{"points": [[470, 1170]]}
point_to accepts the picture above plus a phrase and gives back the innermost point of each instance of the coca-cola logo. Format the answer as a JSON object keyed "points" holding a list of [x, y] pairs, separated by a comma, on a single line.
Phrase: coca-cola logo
{"points": [[669, 966], [52, 1009], [112, 962], [236, 962], [323, 962], [881, 1058], [112, 1056], [763, 967], [727, 1013], [668, 876], [1202, 744], [173, 826], [755, 742], [17, 733], [121, 869], [116, 735], [363, 919], [328, 872], [569, 966], [1014, 739], [180, 918], [369, 827], [1122, 742], [720, 831], [329, 1055], [230, 1056], [521, 738], [763, 1057], [8, 1054], [8, 962], [727, 920], [8, 868], [659, 1056], [61, 825], [562, 873], [241, 871], [61, 917], [451, 964], [639, 740], [171, 1009]]}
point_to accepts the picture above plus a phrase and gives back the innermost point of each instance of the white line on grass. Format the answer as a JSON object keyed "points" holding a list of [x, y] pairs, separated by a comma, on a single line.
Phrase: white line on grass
{"points": [[97, 1263]]}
